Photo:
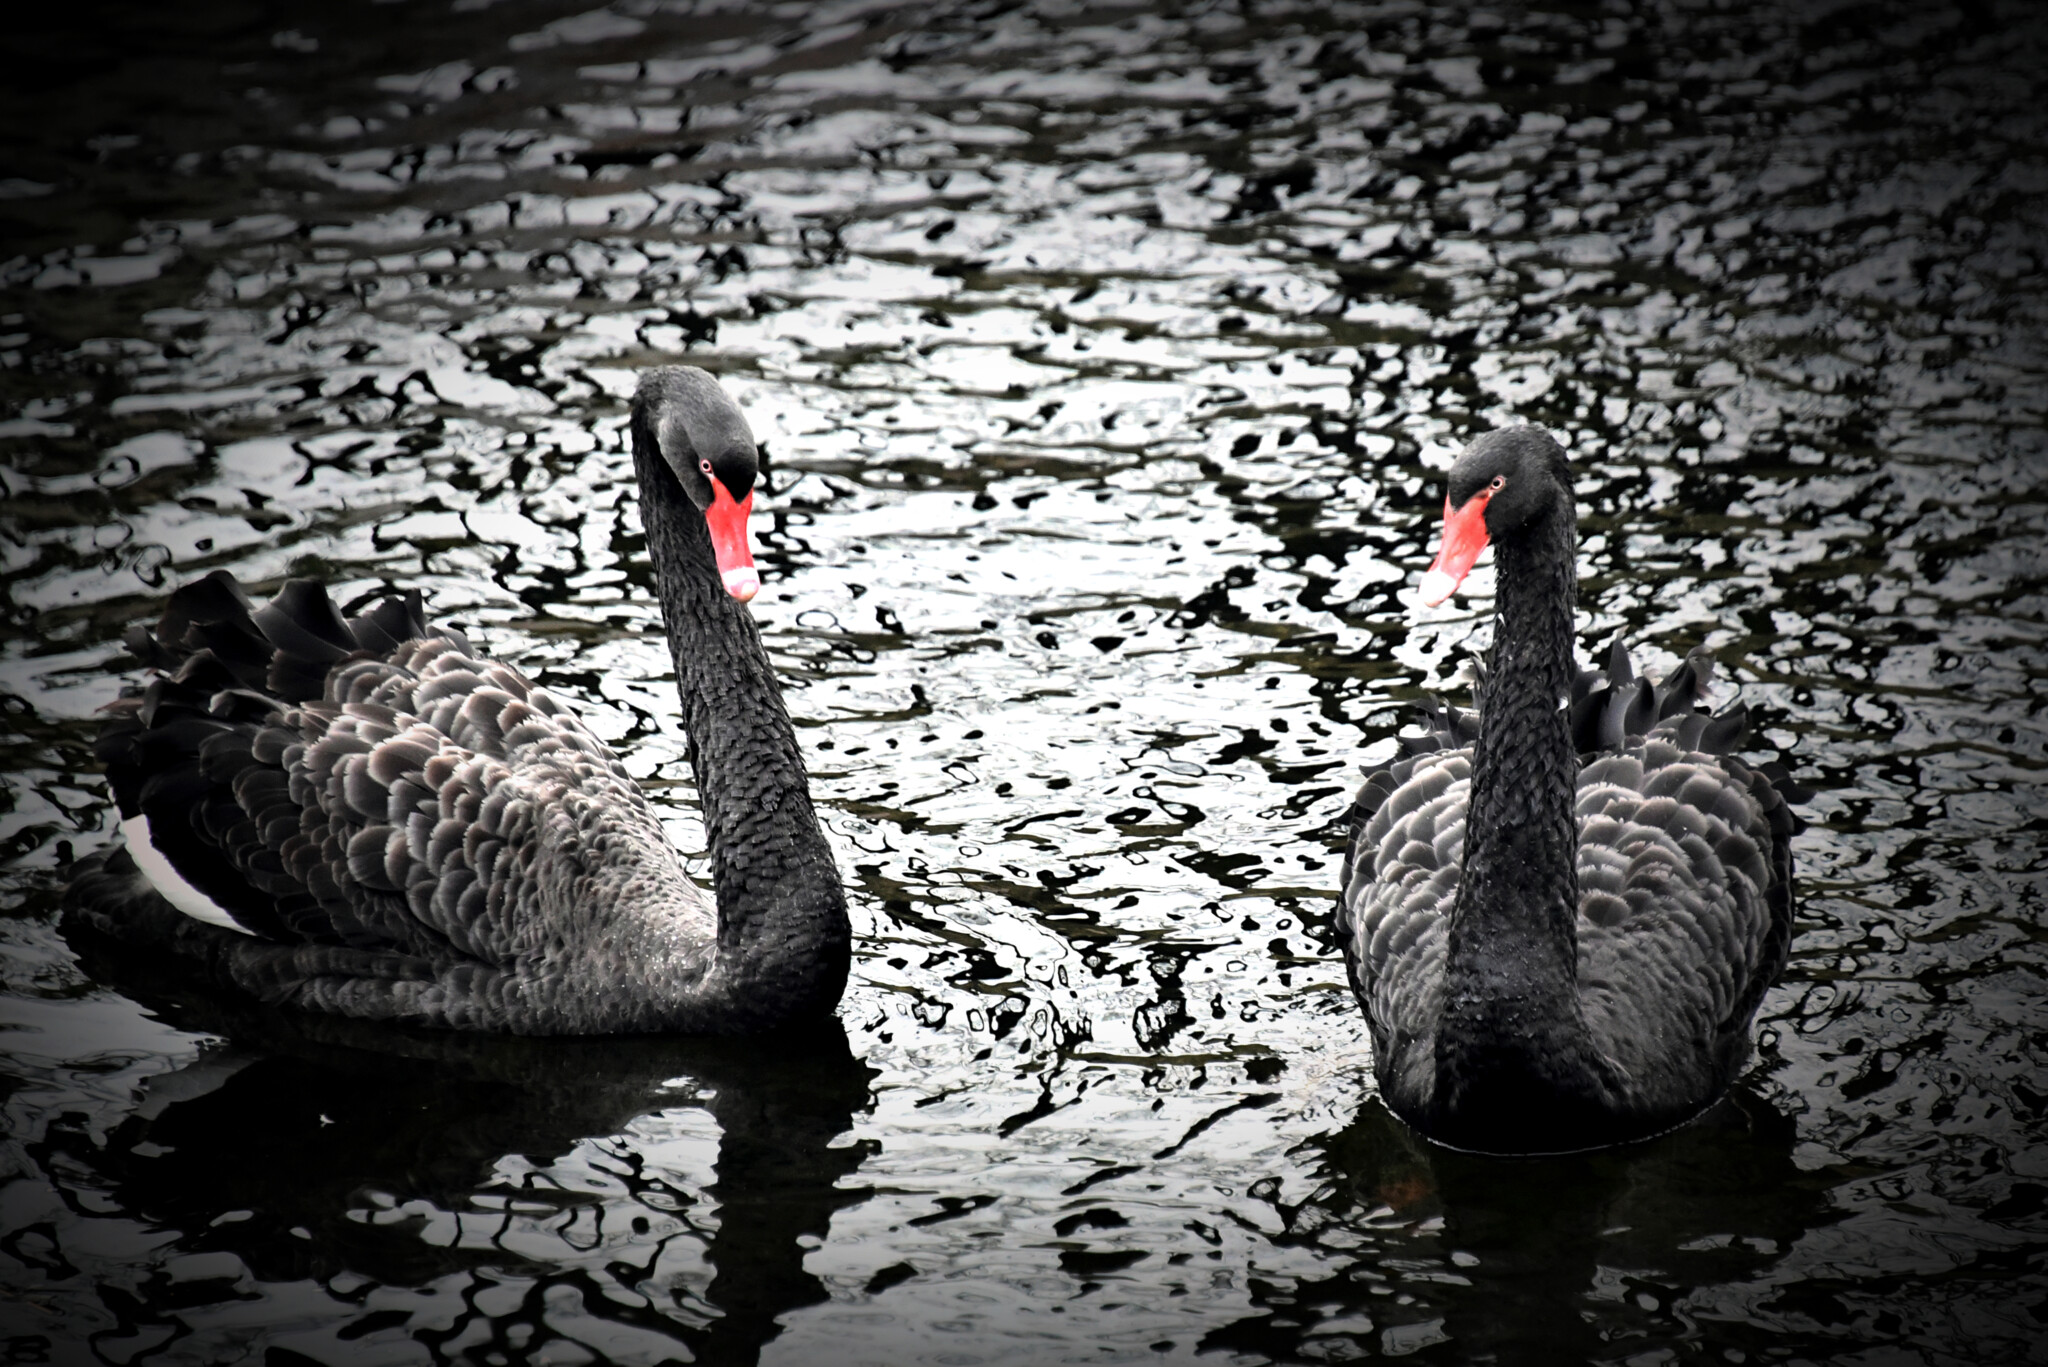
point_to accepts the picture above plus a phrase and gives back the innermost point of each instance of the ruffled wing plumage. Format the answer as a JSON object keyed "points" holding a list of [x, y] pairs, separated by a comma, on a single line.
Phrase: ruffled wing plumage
{"points": [[1684, 915], [373, 804], [1685, 889], [1400, 879]]}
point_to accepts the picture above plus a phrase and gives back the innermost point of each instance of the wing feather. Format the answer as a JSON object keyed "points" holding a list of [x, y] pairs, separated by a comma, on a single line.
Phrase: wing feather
{"points": [[385, 795], [1684, 869]]}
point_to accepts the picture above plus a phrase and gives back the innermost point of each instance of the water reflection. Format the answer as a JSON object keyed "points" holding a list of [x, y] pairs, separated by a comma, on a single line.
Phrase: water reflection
{"points": [[624, 1197], [1106, 357], [1582, 1258]]}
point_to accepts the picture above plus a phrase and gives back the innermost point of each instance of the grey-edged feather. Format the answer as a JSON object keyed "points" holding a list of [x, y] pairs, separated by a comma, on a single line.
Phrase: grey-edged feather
{"points": [[1684, 879], [1560, 920], [406, 830]]}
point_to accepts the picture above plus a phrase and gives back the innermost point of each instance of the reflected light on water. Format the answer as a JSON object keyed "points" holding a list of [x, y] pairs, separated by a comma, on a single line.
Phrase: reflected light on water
{"points": [[1106, 363]]}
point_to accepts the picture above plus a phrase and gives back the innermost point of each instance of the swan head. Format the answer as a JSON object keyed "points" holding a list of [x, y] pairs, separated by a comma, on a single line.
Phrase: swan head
{"points": [[1504, 482], [704, 439]]}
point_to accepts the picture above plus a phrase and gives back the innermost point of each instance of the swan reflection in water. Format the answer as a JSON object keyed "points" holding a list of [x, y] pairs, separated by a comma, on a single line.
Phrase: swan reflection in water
{"points": [[511, 1192], [1585, 1257]]}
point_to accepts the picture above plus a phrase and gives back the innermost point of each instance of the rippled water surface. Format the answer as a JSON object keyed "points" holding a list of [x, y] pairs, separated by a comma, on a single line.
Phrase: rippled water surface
{"points": [[1106, 360]]}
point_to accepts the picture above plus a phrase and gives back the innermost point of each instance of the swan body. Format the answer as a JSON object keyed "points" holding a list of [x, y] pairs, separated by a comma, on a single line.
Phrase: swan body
{"points": [[364, 816], [1561, 915]]}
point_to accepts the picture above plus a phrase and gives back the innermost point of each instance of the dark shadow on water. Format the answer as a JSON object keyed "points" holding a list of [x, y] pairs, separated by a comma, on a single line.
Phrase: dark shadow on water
{"points": [[1463, 1258], [298, 1145]]}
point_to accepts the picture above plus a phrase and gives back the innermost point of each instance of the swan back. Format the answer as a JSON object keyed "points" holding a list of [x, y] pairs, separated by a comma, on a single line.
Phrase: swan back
{"points": [[397, 827]]}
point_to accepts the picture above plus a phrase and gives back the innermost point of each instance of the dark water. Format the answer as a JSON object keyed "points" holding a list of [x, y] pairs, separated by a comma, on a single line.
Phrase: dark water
{"points": [[1106, 360]]}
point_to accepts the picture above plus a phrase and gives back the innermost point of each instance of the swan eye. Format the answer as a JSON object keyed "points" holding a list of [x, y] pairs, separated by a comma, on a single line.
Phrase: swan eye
{"points": [[705, 466], [1500, 482]]}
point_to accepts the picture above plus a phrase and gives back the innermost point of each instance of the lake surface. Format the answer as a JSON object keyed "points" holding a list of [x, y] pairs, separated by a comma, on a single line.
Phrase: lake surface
{"points": [[1107, 361]]}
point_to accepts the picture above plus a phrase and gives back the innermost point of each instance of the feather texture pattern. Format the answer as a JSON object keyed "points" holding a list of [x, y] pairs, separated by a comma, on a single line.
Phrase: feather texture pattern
{"points": [[1684, 878], [388, 825], [1532, 989]]}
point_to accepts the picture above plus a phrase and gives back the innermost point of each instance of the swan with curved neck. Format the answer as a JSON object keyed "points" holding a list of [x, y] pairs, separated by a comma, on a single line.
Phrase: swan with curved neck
{"points": [[364, 816], [1560, 917]]}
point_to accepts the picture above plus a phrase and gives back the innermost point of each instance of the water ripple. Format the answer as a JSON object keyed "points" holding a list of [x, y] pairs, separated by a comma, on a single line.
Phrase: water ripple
{"points": [[1105, 364]]}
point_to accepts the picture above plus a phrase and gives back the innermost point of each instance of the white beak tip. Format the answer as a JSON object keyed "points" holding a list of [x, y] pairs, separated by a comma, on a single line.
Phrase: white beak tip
{"points": [[1436, 586], [742, 584]]}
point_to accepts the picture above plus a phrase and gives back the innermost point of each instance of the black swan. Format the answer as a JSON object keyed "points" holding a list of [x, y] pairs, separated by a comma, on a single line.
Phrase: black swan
{"points": [[1560, 916], [362, 816]]}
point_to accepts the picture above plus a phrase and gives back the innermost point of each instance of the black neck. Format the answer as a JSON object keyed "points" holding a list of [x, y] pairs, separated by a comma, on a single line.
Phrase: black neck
{"points": [[782, 921], [1512, 1035]]}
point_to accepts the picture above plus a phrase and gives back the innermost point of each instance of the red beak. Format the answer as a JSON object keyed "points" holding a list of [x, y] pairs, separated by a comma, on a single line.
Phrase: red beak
{"points": [[727, 522], [1464, 539]]}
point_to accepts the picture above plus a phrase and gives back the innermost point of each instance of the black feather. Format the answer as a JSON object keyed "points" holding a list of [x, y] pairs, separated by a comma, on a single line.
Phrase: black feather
{"points": [[1560, 932], [286, 759]]}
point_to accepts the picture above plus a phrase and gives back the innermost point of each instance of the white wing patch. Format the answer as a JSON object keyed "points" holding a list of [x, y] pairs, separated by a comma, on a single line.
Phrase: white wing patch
{"points": [[166, 880]]}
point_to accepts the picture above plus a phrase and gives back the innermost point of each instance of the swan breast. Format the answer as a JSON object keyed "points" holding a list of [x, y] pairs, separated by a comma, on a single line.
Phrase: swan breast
{"points": [[1683, 915]]}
